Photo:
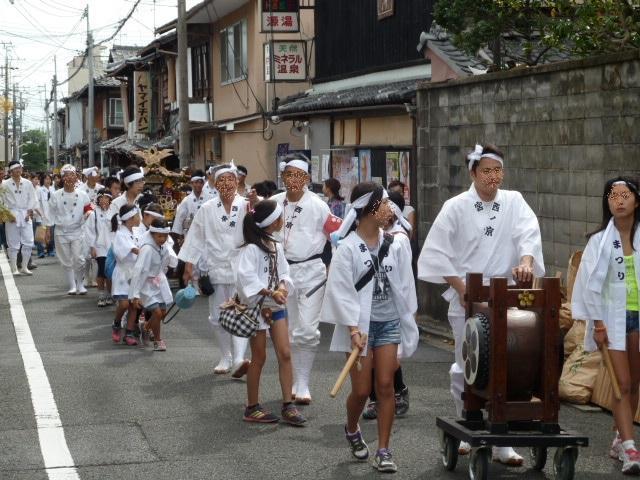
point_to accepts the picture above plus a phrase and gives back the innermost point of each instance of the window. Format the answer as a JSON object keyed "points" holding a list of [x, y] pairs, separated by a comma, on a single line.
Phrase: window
{"points": [[233, 52], [200, 71], [116, 118]]}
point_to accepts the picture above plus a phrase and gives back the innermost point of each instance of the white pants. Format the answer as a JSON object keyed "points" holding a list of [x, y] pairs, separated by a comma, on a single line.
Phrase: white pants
{"points": [[70, 253], [304, 313], [457, 320], [16, 236], [223, 291]]}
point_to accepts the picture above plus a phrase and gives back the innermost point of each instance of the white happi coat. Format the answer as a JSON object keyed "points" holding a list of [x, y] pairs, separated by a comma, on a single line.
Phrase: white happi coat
{"points": [[187, 210], [97, 231], [66, 212], [215, 235], [303, 236], [209, 191], [123, 242], [471, 236], [92, 192], [604, 298], [121, 201], [148, 281], [19, 198], [345, 307], [43, 194], [252, 272]]}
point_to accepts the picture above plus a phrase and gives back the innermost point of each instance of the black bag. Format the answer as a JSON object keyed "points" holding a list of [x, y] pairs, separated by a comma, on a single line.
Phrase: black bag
{"points": [[205, 285]]}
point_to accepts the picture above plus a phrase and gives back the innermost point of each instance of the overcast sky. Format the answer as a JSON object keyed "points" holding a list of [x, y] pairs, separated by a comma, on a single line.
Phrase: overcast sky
{"points": [[40, 29]]}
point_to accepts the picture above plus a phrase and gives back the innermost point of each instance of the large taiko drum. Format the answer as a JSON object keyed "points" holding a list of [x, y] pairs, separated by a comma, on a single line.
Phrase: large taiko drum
{"points": [[524, 350]]}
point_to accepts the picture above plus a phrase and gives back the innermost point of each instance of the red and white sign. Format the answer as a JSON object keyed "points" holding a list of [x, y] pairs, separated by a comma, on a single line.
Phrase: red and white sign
{"points": [[280, 16]]}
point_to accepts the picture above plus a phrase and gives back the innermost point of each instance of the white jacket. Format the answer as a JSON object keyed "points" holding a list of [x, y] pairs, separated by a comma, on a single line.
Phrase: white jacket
{"points": [[97, 231], [148, 281], [252, 272]]}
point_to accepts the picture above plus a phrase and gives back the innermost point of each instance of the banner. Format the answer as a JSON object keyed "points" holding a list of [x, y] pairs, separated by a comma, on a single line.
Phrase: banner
{"points": [[142, 99]]}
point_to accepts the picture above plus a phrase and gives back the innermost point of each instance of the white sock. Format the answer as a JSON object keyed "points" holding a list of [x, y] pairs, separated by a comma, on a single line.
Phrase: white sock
{"points": [[629, 445]]}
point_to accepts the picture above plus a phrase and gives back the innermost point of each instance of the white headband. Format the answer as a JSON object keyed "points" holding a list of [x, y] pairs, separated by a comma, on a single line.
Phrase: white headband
{"points": [[477, 155], [105, 195], [16, 165], [275, 215], [153, 229], [196, 178], [222, 171], [129, 214], [133, 177], [620, 182], [68, 169], [153, 214], [90, 172], [351, 216], [403, 221], [301, 164]]}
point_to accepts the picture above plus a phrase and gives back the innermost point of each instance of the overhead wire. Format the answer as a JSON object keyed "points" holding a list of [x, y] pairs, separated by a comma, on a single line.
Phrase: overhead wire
{"points": [[121, 24]]}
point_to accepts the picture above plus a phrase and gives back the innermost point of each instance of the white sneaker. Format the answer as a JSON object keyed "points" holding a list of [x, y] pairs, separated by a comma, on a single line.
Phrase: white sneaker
{"points": [[25, 271], [507, 456], [616, 447], [630, 461]]}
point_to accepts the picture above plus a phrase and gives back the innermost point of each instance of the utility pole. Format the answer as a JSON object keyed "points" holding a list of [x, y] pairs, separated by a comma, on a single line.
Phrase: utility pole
{"points": [[19, 140], [90, 109], [183, 89], [46, 119], [14, 125], [6, 99], [55, 112]]}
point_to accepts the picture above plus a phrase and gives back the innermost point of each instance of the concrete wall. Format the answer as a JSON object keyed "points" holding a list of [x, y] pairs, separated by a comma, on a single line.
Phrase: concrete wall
{"points": [[565, 128]]}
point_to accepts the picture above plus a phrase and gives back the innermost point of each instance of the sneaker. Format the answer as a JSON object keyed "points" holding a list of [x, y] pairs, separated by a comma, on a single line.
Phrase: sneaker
{"points": [[130, 339], [292, 416], [257, 414], [41, 255], [383, 462], [358, 448], [116, 334], [631, 461], [102, 302], [370, 412], [402, 402], [108, 300], [159, 346], [616, 447], [145, 335]]}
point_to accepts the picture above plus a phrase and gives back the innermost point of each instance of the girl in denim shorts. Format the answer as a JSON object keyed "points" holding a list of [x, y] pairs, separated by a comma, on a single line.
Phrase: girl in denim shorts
{"points": [[371, 298], [606, 295]]}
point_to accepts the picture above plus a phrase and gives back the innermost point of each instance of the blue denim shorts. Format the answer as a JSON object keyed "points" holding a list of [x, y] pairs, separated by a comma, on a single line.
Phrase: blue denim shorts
{"points": [[632, 322], [154, 306], [117, 298], [384, 333]]}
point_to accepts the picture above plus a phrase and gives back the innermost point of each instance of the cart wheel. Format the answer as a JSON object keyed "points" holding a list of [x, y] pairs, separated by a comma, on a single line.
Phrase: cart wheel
{"points": [[564, 463], [538, 457], [449, 450], [479, 464], [476, 350]]}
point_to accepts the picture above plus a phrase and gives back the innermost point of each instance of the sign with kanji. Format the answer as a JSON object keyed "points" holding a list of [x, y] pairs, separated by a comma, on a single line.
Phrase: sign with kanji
{"points": [[142, 103], [280, 16], [285, 61]]}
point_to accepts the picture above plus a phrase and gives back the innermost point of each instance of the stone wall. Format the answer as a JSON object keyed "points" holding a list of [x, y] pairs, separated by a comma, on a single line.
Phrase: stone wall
{"points": [[565, 128]]}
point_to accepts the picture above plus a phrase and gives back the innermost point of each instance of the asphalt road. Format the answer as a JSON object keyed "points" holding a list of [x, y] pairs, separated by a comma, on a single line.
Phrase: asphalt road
{"points": [[132, 413]]}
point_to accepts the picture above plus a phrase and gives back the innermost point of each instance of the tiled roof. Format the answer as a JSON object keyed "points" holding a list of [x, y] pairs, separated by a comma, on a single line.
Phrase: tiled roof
{"points": [[107, 82], [371, 95], [440, 42], [120, 53]]}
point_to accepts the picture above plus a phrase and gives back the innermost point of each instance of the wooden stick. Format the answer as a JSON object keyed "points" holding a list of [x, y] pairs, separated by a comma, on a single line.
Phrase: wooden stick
{"points": [[612, 373], [346, 369]]}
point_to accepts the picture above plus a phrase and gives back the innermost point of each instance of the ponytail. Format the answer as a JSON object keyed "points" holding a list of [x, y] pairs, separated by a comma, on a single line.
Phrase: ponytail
{"points": [[252, 233]]}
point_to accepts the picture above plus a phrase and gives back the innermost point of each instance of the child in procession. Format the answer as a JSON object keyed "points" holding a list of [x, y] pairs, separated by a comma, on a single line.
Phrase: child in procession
{"points": [[149, 285], [371, 299], [99, 237], [125, 249], [606, 295], [263, 273]]}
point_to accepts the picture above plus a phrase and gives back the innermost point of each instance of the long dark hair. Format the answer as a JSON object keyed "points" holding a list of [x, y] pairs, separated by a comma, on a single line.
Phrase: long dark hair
{"points": [[632, 185], [334, 186], [253, 234], [360, 190], [123, 211]]}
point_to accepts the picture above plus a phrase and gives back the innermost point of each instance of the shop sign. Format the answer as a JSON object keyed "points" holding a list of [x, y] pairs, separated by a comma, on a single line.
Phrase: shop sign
{"points": [[280, 16], [285, 61], [142, 104]]}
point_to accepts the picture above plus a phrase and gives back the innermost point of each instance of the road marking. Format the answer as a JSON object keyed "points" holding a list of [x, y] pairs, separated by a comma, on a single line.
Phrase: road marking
{"points": [[58, 462]]}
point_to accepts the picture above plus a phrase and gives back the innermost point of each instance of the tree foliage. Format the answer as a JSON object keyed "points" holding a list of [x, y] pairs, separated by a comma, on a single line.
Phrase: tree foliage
{"points": [[34, 150], [580, 27]]}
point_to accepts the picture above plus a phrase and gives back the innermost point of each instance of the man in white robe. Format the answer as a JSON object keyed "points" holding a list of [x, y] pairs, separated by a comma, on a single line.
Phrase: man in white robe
{"points": [[190, 204], [209, 188], [214, 235], [307, 223], [92, 184], [483, 230], [21, 200]]}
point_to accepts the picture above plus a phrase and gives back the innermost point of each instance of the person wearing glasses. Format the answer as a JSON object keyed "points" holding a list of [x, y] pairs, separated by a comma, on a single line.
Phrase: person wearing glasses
{"points": [[485, 229]]}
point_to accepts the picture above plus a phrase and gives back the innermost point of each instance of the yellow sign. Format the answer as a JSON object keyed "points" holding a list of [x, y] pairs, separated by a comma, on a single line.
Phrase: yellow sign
{"points": [[142, 101]]}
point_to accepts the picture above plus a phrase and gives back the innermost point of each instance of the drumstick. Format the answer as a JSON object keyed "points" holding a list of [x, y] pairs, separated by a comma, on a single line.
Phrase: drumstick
{"points": [[612, 373], [346, 369]]}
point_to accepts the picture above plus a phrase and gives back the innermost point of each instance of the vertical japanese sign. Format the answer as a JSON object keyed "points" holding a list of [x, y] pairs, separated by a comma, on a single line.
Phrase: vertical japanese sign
{"points": [[142, 101], [285, 61], [280, 16]]}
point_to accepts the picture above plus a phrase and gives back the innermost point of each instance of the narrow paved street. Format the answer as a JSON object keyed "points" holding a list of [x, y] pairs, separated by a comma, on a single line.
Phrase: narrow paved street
{"points": [[132, 413]]}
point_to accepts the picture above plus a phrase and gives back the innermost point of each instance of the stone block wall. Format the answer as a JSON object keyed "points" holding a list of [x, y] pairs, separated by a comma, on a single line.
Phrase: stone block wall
{"points": [[564, 128]]}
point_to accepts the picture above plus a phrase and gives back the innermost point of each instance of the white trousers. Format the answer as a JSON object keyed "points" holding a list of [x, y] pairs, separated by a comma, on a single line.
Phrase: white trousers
{"points": [[304, 313], [456, 371], [223, 291], [70, 253], [16, 236]]}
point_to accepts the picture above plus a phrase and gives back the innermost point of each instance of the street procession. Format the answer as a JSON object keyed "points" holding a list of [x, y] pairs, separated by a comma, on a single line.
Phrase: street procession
{"points": [[317, 239]]}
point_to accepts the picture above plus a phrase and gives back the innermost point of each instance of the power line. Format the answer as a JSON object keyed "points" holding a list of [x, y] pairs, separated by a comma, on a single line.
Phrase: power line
{"points": [[122, 23]]}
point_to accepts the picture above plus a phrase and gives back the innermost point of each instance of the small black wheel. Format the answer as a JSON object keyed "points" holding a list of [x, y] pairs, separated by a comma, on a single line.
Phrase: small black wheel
{"points": [[449, 450], [538, 457], [564, 463], [479, 464]]}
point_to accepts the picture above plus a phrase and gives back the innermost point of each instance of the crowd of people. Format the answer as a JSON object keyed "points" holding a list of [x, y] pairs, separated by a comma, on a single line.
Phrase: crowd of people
{"points": [[271, 249]]}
